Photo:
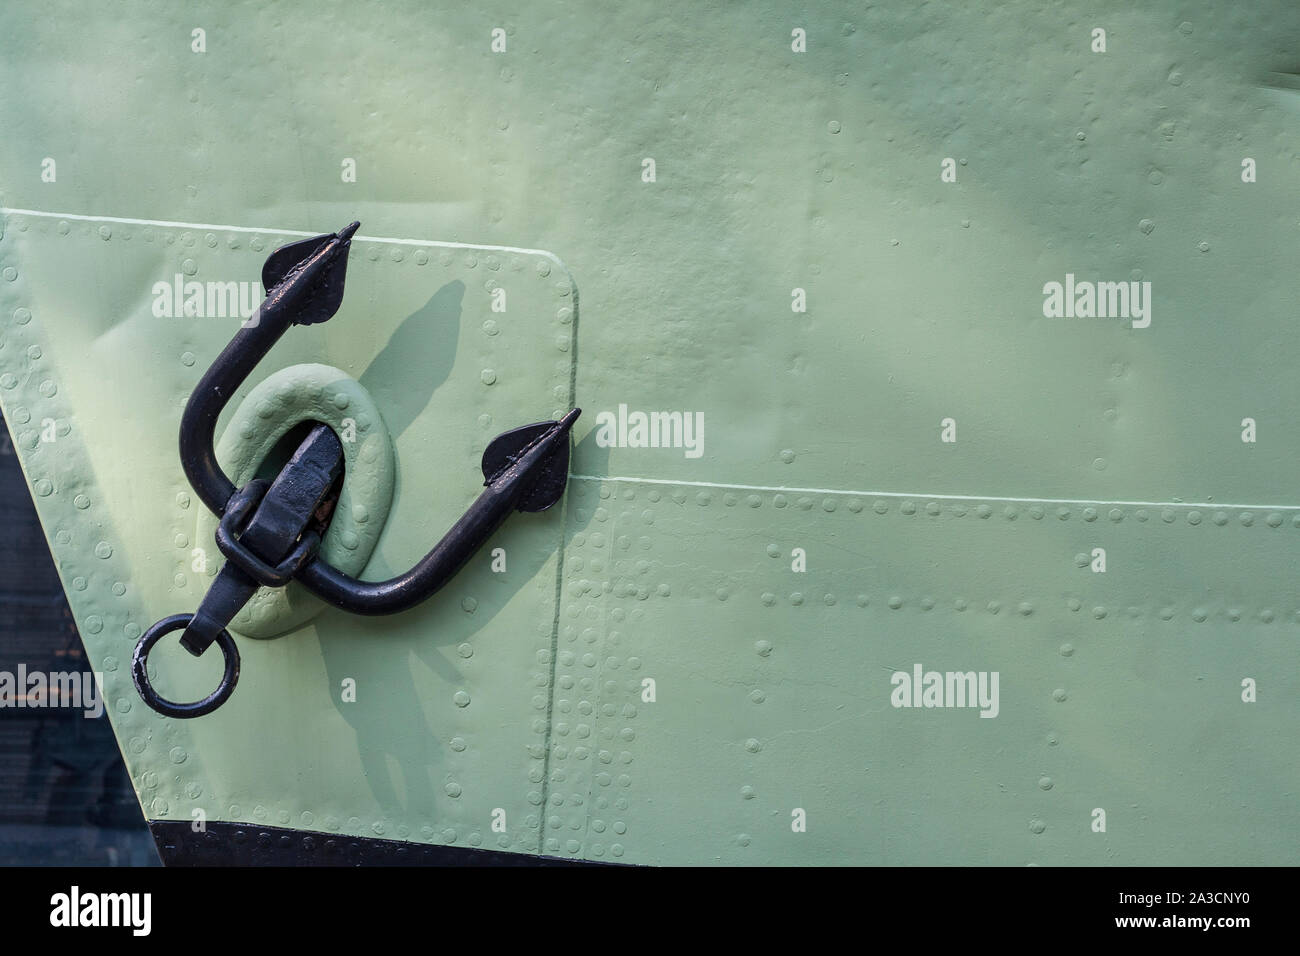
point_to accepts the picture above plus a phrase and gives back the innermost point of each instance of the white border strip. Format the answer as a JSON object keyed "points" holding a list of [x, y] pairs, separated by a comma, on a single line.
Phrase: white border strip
{"points": [[168, 224], [1207, 506]]}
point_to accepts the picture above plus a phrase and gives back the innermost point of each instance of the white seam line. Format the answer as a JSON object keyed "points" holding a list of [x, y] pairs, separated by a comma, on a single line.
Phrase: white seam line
{"points": [[168, 224], [926, 497], [430, 243]]}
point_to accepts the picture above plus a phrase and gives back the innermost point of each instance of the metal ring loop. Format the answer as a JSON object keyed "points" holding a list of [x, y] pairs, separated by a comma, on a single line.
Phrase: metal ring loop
{"points": [[140, 674]]}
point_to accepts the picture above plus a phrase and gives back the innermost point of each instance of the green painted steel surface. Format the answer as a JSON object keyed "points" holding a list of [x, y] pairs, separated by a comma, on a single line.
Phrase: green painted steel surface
{"points": [[779, 176]]}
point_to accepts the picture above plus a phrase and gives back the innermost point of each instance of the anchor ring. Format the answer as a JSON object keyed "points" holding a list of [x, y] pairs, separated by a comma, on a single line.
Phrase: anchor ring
{"points": [[169, 708]]}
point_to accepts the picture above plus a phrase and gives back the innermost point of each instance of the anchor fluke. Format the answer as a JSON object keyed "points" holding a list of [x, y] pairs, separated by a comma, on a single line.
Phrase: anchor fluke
{"points": [[310, 273], [534, 456]]}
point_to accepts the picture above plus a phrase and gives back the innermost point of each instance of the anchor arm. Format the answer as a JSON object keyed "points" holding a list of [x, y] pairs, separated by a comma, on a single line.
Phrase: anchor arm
{"points": [[303, 287], [531, 479]]}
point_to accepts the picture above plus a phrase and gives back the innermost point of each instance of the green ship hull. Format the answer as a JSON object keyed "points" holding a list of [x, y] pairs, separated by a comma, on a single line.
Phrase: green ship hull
{"points": [[933, 499]]}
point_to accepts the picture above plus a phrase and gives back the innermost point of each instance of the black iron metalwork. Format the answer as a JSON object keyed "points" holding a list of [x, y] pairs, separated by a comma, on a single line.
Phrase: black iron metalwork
{"points": [[270, 531]]}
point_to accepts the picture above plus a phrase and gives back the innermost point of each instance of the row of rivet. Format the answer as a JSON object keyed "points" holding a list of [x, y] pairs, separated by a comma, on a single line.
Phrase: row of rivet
{"points": [[1168, 514]]}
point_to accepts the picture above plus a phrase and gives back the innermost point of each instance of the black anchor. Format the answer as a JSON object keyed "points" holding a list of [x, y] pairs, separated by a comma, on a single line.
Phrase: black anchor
{"points": [[270, 531]]}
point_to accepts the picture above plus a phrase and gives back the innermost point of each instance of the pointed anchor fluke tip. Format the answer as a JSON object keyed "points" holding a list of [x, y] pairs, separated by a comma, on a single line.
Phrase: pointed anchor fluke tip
{"points": [[567, 421], [349, 230]]}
